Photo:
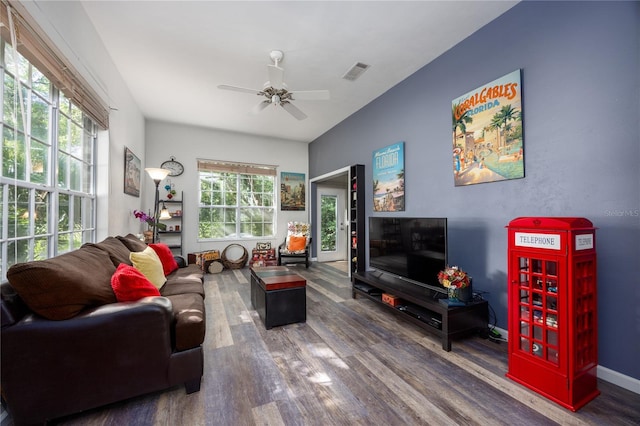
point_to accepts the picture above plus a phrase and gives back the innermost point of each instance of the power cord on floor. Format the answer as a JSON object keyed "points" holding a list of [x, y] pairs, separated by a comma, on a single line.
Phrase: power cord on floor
{"points": [[491, 333]]}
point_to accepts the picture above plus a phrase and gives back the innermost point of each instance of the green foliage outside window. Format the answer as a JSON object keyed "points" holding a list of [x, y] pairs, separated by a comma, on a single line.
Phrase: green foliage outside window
{"points": [[236, 205], [328, 237], [58, 143]]}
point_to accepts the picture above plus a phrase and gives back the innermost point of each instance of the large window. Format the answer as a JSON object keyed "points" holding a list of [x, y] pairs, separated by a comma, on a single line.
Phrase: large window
{"points": [[236, 200], [47, 178]]}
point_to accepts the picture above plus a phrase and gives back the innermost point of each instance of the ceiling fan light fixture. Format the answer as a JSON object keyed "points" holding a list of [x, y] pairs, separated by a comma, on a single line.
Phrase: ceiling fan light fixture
{"points": [[355, 71]]}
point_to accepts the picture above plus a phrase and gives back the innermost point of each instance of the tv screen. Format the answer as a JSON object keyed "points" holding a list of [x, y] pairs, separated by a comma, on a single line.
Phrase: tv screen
{"points": [[410, 248]]}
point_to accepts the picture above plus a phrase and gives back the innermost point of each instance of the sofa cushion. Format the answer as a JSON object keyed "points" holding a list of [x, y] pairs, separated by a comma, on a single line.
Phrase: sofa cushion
{"points": [[148, 262], [163, 251], [60, 287], [129, 284], [184, 280], [188, 310], [173, 287], [132, 242], [118, 252]]}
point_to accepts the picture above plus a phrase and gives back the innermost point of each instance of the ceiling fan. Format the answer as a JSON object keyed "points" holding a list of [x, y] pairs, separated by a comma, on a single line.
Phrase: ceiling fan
{"points": [[276, 92]]}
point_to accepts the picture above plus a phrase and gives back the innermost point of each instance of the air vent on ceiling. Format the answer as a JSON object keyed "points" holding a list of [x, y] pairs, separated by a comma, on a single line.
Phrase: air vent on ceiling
{"points": [[355, 71]]}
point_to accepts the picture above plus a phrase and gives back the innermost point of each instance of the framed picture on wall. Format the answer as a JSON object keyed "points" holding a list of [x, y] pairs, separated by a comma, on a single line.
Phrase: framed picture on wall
{"points": [[487, 132], [388, 178], [131, 173], [292, 191]]}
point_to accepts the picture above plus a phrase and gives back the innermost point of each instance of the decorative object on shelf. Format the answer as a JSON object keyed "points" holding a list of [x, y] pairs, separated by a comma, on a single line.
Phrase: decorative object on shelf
{"points": [[458, 284], [388, 178], [157, 175], [484, 154], [171, 191], [292, 191], [175, 167], [237, 263], [263, 246], [131, 173]]}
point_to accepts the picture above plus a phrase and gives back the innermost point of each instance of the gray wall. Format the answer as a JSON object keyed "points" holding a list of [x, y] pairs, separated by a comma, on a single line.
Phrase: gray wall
{"points": [[581, 100]]}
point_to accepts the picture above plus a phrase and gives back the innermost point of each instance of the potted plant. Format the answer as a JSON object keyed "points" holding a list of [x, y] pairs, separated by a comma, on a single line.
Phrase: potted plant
{"points": [[457, 282]]}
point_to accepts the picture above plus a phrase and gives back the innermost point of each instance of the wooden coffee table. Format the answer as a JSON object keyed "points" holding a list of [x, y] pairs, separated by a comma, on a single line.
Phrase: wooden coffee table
{"points": [[279, 295]]}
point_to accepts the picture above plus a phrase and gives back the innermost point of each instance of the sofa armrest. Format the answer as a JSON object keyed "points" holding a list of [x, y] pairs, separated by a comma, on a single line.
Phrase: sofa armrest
{"points": [[68, 365], [181, 261]]}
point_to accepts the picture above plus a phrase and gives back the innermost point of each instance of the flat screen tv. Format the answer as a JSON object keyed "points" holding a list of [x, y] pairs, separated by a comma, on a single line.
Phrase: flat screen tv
{"points": [[409, 248]]}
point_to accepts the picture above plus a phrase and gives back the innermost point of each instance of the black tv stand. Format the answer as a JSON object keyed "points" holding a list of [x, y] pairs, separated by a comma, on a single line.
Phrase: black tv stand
{"points": [[420, 305]]}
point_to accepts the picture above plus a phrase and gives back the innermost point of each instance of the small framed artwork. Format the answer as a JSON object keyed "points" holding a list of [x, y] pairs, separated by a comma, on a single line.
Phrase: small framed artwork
{"points": [[292, 191], [263, 246], [131, 173]]}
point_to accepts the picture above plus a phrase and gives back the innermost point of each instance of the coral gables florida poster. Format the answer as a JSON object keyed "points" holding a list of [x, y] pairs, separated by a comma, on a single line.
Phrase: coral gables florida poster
{"points": [[388, 178], [487, 132]]}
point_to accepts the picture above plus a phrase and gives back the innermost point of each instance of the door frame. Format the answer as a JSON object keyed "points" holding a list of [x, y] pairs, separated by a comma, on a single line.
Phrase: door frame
{"points": [[341, 175], [342, 235]]}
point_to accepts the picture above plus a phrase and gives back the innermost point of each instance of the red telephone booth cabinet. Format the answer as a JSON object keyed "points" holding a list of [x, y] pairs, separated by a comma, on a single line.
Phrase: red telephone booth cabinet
{"points": [[552, 308]]}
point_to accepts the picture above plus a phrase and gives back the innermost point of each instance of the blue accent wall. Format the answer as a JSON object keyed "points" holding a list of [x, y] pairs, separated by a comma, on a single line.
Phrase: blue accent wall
{"points": [[581, 99]]}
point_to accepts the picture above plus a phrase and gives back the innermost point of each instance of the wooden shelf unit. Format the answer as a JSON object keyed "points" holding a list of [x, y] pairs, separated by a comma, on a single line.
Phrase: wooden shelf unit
{"points": [[356, 219], [173, 239]]}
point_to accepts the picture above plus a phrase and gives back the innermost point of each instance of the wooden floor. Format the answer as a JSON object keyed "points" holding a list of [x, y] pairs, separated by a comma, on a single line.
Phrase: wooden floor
{"points": [[351, 363]]}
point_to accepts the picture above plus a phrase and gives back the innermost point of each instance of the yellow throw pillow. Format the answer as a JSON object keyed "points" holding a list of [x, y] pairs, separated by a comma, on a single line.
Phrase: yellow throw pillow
{"points": [[148, 262], [297, 243]]}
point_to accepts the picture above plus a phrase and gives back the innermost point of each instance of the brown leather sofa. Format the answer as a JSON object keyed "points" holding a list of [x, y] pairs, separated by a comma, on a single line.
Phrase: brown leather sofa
{"points": [[83, 349]]}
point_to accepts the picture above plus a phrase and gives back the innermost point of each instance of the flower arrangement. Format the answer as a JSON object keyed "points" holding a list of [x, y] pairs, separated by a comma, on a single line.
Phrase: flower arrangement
{"points": [[143, 217], [454, 277]]}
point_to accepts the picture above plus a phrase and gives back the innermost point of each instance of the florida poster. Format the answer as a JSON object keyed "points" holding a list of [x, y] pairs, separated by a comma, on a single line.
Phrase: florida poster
{"points": [[487, 133], [388, 178]]}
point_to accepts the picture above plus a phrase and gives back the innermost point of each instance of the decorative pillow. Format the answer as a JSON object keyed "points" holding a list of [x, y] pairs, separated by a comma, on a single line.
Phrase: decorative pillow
{"points": [[118, 252], [129, 284], [148, 262], [297, 243], [60, 287], [132, 242], [163, 251]]}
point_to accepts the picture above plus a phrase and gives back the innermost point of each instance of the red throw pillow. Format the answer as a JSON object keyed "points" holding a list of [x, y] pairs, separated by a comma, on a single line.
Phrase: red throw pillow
{"points": [[129, 284], [163, 251]]}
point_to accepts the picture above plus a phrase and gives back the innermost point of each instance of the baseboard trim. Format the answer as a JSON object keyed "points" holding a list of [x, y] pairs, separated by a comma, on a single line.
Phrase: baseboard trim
{"points": [[619, 379], [604, 373]]}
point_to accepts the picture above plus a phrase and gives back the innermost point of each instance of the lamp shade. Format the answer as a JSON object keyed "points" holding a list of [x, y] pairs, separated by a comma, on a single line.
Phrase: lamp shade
{"points": [[157, 174], [164, 213]]}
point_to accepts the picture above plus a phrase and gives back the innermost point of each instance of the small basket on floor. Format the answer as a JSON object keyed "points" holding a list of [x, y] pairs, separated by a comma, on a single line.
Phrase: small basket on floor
{"points": [[234, 264]]}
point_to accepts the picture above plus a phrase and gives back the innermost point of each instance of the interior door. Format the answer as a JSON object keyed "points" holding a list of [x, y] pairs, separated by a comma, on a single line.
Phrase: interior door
{"points": [[332, 224]]}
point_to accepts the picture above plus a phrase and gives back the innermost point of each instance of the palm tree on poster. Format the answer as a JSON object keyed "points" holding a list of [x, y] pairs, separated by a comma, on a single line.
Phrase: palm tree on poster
{"points": [[460, 122], [507, 113]]}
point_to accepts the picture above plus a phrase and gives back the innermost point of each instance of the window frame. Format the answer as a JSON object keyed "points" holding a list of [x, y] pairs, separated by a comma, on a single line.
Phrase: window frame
{"points": [[78, 214], [230, 197]]}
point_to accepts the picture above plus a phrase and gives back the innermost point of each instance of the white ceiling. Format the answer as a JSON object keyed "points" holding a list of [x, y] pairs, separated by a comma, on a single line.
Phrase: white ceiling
{"points": [[174, 54]]}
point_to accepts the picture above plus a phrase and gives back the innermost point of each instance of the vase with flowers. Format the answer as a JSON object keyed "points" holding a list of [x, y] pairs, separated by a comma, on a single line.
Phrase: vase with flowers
{"points": [[152, 224], [458, 284]]}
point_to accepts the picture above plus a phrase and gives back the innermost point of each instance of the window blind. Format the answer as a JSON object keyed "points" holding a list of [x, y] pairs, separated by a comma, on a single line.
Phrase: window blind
{"points": [[37, 47], [245, 168]]}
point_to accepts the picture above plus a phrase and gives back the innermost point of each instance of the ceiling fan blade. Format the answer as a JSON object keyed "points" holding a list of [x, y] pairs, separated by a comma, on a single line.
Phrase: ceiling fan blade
{"points": [[259, 107], [276, 75], [240, 89], [311, 95], [293, 110]]}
